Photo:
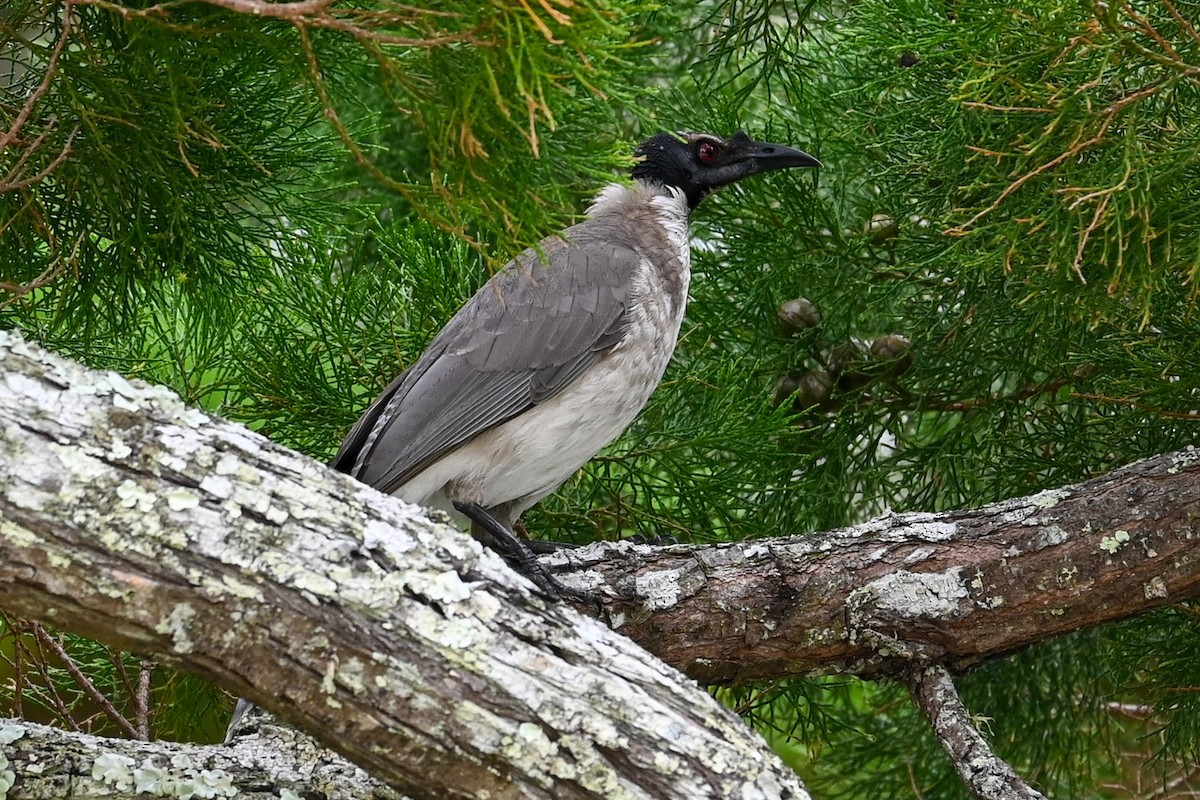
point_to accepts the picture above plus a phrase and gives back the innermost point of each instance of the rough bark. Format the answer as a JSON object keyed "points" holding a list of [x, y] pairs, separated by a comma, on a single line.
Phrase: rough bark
{"points": [[394, 640], [125, 516], [955, 588], [273, 762], [985, 774]]}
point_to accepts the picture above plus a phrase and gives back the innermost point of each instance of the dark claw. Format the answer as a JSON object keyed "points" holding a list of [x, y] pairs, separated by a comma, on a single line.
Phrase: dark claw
{"points": [[517, 552]]}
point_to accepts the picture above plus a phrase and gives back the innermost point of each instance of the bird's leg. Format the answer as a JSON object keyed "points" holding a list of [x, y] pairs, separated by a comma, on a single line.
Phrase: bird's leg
{"points": [[516, 552]]}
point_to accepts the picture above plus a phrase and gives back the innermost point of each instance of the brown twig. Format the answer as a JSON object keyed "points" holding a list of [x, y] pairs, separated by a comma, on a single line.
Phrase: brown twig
{"points": [[1182, 21], [1072, 151], [48, 275], [11, 182], [1097, 217], [1168, 58], [85, 683], [15, 627], [142, 698], [1190, 416], [1024, 393], [991, 107], [26, 111], [1144, 25], [48, 690]]}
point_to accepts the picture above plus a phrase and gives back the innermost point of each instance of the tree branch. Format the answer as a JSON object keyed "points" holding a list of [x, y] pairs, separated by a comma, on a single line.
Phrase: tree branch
{"points": [[985, 774], [269, 763], [959, 587], [395, 640], [401, 643]]}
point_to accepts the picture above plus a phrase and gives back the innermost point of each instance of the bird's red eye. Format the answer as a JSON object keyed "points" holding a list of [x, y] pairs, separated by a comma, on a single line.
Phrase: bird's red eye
{"points": [[706, 152]]}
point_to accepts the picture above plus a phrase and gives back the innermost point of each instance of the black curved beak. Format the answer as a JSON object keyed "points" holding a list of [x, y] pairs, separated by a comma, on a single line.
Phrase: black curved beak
{"points": [[767, 156]]}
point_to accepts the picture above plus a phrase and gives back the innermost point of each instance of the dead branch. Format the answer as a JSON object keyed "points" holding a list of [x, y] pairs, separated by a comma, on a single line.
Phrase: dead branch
{"points": [[987, 776]]}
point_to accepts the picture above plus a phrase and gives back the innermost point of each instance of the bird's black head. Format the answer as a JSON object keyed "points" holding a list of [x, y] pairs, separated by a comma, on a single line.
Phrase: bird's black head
{"points": [[700, 163]]}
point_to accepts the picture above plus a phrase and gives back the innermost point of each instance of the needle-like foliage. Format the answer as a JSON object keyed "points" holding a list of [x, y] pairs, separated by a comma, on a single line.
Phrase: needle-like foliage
{"points": [[273, 215]]}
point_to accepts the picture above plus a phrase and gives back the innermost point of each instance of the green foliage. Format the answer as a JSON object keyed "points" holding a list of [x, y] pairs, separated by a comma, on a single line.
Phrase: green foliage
{"points": [[274, 220]]}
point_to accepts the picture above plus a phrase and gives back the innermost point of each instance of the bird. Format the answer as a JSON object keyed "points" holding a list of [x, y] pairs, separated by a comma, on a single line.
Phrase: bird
{"points": [[556, 354]]}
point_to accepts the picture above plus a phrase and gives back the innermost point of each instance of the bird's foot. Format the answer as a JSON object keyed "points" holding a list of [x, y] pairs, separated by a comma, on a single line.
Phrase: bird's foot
{"points": [[521, 557]]}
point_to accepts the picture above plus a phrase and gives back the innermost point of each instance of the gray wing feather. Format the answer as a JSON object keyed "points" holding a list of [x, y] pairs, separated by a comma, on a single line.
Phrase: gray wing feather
{"points": [[525, 336]]}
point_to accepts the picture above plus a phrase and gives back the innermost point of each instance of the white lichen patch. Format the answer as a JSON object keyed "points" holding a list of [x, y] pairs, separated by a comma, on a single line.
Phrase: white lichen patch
{"points": [[114, 769], [8, 735], [462, 637], [443, 587], [934, 531], [665, 764], [1183, 459], [350, 675], [148, 779], [1050, 536], [176, 626], [756, 550], [277, 514], [911, 595], [232, 586], [179, 446], [329, 679], [17, 535], [218, 486], [119, 450], [7, 777], [182, 780], [1111, 544], [1049, 498], [531, 739], [721, 556], [133, 495], [977, 581], [379, 535], [1156, 589], [182, 499], [11, 733], [75, 466], [314, 583], [659, 588], [227, 464]]}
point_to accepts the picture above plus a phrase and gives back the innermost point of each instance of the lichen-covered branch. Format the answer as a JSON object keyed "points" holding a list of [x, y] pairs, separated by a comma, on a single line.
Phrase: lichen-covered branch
{"points": [[957, 588], [125, 516], [394, 640], [42, 763], [985, 774]]}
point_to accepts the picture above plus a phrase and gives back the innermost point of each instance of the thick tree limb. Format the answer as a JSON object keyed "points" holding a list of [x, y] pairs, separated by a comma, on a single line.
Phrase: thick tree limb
{"points": [[396, 641], [956, 588], [43, 763], [125, 516], [987, 776]]}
